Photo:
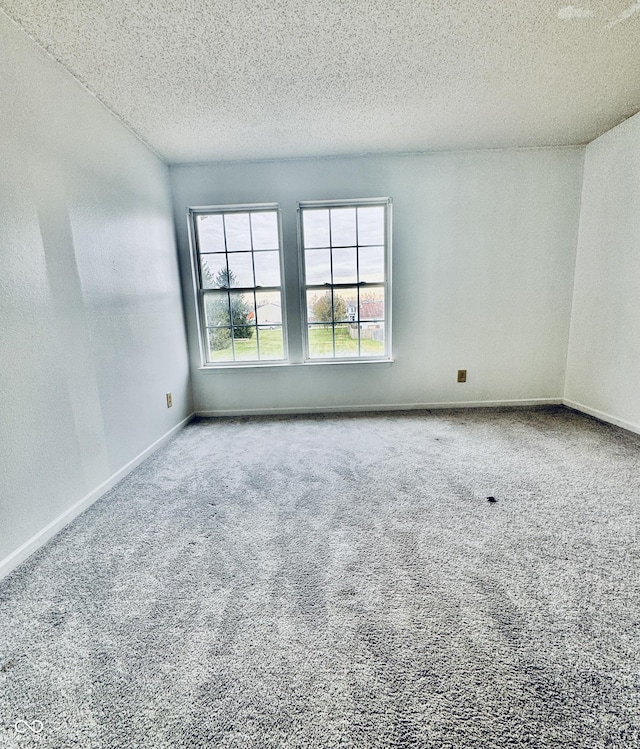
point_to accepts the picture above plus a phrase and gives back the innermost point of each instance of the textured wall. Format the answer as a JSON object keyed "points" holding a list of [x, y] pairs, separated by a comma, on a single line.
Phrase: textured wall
{"points": [[91, 327], [603, 367], [483, 259]]}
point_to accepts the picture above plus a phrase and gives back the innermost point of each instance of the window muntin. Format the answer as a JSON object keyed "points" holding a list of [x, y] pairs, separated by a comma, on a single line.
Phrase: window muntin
{"points": [[237, 270], [345, 249]]}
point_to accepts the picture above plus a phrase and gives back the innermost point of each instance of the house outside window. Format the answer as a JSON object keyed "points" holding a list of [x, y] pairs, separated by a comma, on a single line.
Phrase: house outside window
{"points": [[346, 268]]}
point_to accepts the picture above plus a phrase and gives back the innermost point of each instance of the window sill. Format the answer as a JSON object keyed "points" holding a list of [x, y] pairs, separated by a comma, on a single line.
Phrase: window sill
{"points": [[358, 362], [216, 368]]}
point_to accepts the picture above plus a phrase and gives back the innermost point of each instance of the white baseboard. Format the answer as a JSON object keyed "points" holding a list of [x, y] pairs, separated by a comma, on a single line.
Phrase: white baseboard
{"points": [[21, 553], [378, 407], [602, 416]]}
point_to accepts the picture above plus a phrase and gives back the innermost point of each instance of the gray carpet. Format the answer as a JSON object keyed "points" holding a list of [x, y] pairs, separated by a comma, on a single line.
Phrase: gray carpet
{"points": [[342, 581]]}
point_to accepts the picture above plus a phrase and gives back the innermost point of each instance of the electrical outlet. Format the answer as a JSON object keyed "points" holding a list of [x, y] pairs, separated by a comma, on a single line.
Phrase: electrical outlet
{"points": [[169, 400], [462, 375]]}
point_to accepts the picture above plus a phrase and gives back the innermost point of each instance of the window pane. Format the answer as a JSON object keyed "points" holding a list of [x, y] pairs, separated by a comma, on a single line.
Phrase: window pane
{"points": [[317, 266], [344, 265], [319, 306], [350, 280], [320, 341], [371, 264], [245, 343], [267, 267], [219, 344], [345, 305], [343, 227], [242, 308], [264, 230], [372, 304], [271, 342], [216, 309], [347, 340], [237, 231], [240, 269], [269, 308], [372, 339], [210, 233], [371, 225], [315, 225], [214, 271], [238, 261]]}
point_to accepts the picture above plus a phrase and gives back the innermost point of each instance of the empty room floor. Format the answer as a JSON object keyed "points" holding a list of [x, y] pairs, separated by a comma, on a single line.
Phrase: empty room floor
{"points": [[341, 581]]}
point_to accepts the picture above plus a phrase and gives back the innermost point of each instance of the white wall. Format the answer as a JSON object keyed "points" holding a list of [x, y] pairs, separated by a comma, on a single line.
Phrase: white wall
{"points": [[91, 324], [483, 258], [603, 369]]}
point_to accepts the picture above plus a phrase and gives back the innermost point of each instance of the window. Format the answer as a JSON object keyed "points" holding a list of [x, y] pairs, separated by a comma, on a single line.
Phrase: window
{"points": [[345, 249], [237, 275], [344, 284]]}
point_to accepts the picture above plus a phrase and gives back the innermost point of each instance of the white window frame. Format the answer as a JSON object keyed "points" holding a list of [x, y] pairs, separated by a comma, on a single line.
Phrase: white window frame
{"points": [[347, 203], [200, 292]]}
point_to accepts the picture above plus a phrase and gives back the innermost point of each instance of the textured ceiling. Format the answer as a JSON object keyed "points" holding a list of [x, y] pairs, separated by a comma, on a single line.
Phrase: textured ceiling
{"points": [[215, 80]]}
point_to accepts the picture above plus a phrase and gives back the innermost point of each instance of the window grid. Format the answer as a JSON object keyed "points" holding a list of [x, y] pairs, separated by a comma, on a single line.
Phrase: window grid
{"points": [[230, 292], [359, 286], [358, 279]]}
